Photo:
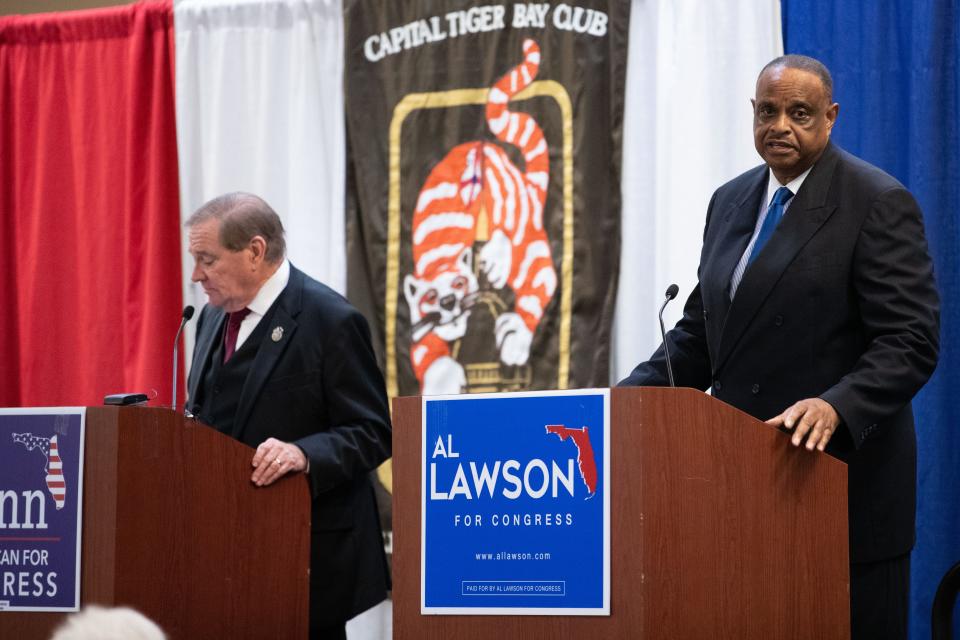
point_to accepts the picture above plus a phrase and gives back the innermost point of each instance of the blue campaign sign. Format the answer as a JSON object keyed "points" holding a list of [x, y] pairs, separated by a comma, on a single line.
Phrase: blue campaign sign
{"points": [[516, 504], [41, 492]]}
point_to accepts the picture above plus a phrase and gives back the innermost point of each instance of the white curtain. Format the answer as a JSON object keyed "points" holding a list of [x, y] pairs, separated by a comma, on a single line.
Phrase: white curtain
{"points": [[691, 72], [260, 109]]}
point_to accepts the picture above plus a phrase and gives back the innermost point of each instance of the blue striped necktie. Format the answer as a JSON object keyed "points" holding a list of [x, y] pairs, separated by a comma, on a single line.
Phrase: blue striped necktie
{"points": [[774, 213]]}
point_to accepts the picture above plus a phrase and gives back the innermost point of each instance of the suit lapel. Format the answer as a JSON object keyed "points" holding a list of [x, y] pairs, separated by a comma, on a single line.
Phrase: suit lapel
{"points": [[804, 217], [212, 325], [729, 241], [278, 335]]}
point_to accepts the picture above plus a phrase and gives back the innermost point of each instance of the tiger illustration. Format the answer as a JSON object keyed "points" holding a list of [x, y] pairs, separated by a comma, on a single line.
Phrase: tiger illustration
{"points": [[477, 193]]}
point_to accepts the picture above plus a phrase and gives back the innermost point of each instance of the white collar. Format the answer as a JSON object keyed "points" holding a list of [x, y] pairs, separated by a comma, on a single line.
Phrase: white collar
{"points": [[271, 289], [794, 185]]}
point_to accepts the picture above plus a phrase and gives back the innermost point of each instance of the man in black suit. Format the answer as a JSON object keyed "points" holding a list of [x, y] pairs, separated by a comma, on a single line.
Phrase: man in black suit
{"points": [[816, 305], [285, 364]]}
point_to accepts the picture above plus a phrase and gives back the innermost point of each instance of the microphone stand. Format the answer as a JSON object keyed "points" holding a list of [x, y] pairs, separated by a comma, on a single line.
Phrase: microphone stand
{"points": [[184, 318], [670, 295]]}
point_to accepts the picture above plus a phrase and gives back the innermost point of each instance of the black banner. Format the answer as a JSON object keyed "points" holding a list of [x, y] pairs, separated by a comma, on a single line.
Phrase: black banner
{"points": [[484, 189]]}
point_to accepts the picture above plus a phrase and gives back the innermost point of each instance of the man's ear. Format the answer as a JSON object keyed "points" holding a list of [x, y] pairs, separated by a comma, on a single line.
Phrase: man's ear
{"points": [[831, 114], [258, 249]]}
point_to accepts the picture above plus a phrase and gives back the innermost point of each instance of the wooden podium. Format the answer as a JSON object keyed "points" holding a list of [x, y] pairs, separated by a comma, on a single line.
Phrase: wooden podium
{"points": [[173, 527], [720, 528]]}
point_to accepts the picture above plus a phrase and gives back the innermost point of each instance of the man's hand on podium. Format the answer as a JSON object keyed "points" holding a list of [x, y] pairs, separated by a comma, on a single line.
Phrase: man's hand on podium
{"points": [[812, 416], [274, 459]]}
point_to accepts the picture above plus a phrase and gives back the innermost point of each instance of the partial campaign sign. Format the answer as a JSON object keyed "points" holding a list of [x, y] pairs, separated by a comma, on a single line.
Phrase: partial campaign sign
{"points": [[516, 504], [41, 476]]}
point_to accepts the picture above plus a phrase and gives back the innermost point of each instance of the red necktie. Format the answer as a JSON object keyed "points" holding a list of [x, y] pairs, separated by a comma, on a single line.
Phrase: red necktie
{"points": [[233, 328]]}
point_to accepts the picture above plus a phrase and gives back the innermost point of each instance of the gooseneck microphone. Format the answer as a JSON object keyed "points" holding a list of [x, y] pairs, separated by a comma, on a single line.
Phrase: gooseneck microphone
{"points": [[184, 318], [672, 291]]}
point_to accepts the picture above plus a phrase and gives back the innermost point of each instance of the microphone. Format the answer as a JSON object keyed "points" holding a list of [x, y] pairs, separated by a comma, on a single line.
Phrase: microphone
{"points": [[184, 318], [672, 291]]}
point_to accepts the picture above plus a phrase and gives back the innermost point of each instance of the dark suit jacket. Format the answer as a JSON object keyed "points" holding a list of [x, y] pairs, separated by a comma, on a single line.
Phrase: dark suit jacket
{"points": [[319, 387], [840, 304]]}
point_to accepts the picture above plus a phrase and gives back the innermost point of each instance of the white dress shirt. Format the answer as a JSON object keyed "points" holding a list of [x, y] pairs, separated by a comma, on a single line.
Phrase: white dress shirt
{"points": [[261, 302]]}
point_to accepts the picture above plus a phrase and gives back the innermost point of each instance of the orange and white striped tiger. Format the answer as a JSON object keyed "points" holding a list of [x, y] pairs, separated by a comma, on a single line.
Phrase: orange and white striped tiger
{"points": [[473, 179]]}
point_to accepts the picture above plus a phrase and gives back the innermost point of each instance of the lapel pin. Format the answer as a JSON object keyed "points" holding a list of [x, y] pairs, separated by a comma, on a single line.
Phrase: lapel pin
{"points": [[277, 334]]}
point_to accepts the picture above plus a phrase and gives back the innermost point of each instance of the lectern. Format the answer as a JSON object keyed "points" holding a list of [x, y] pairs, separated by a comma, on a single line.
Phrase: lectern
{"points": [[720, 528], [173, 527]]}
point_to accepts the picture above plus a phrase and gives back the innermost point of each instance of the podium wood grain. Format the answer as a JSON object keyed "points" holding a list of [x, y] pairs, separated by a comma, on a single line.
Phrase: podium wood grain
{"points": [[173, 527], [719, 529]]}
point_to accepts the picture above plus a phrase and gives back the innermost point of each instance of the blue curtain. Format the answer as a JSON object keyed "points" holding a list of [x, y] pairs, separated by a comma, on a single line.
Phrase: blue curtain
{"points": [[897, 80]]}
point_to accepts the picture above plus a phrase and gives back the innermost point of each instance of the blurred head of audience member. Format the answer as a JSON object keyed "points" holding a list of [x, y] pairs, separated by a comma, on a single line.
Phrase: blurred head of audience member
{"points": [[99, 623]]}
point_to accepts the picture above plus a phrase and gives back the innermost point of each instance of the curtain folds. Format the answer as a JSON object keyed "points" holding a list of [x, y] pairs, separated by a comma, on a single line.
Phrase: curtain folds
{"points": [[896, 72], [90, 259], [687, 129], [260, 109]]}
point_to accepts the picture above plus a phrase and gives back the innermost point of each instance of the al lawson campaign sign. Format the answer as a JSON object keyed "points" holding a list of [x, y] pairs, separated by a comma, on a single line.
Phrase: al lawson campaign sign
{"points": [[516, 504], [41, 459]]}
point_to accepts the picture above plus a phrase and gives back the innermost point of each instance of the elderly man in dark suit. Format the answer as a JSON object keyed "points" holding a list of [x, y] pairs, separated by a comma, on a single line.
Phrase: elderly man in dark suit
{"points": [[816, 311], [285, 364]]}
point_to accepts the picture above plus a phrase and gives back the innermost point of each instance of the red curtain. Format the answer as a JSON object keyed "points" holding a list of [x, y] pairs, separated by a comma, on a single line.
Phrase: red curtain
{"points": [[89, 206]]}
